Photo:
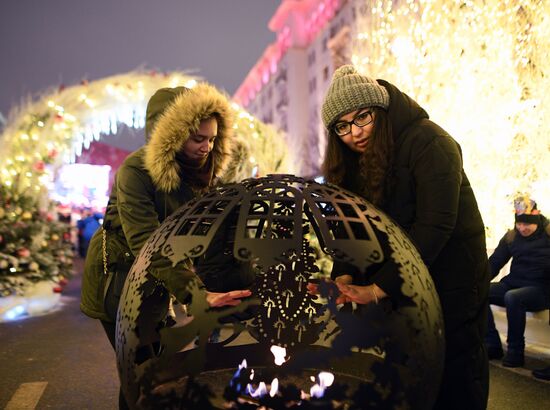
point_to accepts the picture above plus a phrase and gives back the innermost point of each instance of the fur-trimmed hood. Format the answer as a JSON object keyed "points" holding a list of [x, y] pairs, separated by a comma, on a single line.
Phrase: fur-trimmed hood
{"points": [[180, 120]]}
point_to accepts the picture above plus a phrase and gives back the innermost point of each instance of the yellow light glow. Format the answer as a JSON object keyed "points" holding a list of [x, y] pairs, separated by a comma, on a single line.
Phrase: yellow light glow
{"points": [[190, 83], [480, 68], [79, 118]]}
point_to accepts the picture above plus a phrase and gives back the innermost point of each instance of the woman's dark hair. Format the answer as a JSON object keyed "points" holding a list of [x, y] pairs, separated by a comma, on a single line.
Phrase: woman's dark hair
{"points": [[367, 174]]}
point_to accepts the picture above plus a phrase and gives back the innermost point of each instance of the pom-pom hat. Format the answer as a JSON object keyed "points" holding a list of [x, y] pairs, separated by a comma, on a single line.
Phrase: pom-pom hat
{"points": [[350, 91], [526, 210]]}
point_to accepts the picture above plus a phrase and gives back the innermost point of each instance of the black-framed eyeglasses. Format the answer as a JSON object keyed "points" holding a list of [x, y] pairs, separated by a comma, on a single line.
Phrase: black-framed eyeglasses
{"points": [[362, 119]]}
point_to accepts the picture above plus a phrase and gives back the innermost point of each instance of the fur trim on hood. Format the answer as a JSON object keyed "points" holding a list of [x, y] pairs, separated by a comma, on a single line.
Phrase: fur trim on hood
{"points": [[180, 120]]}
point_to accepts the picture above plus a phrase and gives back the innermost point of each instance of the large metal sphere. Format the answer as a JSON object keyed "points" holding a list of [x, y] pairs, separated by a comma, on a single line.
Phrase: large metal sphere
{"points": [[394, 348]]}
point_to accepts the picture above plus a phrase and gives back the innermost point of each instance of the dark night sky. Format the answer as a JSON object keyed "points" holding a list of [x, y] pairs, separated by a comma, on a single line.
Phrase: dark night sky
{"points": [[45, 43]]}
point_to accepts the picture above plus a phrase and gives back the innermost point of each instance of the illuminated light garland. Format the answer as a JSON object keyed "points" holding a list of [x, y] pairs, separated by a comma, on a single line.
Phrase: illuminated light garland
{"points": [[63, 123], [481, 68]]}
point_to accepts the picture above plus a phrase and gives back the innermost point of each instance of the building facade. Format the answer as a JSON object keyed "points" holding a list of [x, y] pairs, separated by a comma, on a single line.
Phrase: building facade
{"points": [[287, 84]]}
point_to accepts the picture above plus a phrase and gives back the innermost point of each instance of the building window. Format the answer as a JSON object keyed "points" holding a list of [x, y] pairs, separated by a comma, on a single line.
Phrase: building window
{"points": [[284, 122], [283, 99], [312, 85], [268, 118], [325, 73], [311, 58]]}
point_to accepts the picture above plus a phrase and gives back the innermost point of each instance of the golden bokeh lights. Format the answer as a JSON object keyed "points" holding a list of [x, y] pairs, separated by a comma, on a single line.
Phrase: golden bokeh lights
{"points": [[481, 69]]}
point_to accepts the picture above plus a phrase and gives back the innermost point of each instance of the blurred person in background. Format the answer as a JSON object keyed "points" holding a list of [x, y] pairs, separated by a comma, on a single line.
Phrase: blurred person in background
{"points": [[527, 286]]}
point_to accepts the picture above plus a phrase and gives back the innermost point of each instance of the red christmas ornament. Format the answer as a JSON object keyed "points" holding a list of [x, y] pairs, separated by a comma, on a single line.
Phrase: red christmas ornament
{"points": [[63, 282], [23, 252], [52, 153], [39, 166], [57, 289], [66, 236]]}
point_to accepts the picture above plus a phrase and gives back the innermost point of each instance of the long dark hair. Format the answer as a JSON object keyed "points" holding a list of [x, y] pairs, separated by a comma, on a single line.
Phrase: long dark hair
{"points": [[374, 179]]}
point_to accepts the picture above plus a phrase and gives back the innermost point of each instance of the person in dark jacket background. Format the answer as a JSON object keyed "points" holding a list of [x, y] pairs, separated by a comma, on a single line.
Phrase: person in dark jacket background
{"points": [[189, 137], [382, 146], [527, 286], [87, 226]]}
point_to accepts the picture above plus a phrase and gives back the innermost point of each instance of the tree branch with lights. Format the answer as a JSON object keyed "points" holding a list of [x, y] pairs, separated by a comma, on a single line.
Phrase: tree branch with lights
{"points": [[52, 130], [481, 69]]}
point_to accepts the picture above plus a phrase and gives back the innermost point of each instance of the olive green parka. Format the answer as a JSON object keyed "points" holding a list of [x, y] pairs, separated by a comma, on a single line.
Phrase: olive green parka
{"points": [[148, 187]]}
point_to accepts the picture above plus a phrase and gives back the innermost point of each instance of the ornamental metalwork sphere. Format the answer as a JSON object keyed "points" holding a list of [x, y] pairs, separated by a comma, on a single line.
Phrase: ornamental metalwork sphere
{"points": [[285, 231]]}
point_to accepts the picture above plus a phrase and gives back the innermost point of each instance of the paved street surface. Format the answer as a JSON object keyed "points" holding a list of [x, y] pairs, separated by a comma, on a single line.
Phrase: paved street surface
{"points": [[66, 352], [63, 360]]}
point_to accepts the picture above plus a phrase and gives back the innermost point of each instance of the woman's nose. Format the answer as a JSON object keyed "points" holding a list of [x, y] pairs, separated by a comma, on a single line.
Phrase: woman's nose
{"points": [[355, 130]]}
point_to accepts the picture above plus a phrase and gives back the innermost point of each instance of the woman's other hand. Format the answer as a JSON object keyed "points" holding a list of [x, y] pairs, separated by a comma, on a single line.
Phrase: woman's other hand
{"points": [[361, 294], [232, 298], [345, 279]]}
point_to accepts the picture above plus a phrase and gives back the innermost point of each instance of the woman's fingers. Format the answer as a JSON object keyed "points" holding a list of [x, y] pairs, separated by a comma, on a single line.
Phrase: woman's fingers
{"points": [[312, 288], [358, 294], [237, 294], [232, 298], [344, 279]]}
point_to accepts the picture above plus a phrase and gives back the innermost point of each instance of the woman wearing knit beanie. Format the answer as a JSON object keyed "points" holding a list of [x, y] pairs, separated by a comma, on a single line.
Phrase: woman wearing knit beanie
{"points": [[527, 286], [383, 146]]}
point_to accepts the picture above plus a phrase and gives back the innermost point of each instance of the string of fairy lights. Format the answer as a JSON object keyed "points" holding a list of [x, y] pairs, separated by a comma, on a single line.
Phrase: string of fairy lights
{"points": [[481, 68], [54, 129]]}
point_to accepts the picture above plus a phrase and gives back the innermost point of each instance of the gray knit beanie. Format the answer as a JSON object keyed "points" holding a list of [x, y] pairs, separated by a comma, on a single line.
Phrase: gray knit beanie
{"points": [[350, 91]]}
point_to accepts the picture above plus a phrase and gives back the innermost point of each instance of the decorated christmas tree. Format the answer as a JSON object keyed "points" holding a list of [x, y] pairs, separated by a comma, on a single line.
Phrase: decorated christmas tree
{"points": [[33, 246]]}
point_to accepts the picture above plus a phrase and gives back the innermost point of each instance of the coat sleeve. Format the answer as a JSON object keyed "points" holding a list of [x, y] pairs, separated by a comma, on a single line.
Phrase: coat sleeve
{"points": [[139, 219], [437, 171], [499, 257]]}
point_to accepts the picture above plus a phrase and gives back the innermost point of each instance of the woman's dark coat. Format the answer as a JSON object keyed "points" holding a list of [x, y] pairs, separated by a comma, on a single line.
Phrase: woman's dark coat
{"points": [[432, 200]]}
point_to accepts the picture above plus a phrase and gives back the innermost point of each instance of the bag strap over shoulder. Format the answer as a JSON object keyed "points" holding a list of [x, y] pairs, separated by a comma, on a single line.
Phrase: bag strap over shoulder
{"points": [[106, 272], [104, 250]]}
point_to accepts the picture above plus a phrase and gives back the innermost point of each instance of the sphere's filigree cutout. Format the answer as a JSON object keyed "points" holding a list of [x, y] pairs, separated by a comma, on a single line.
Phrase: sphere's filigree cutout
{"points": [[396, 346]]}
